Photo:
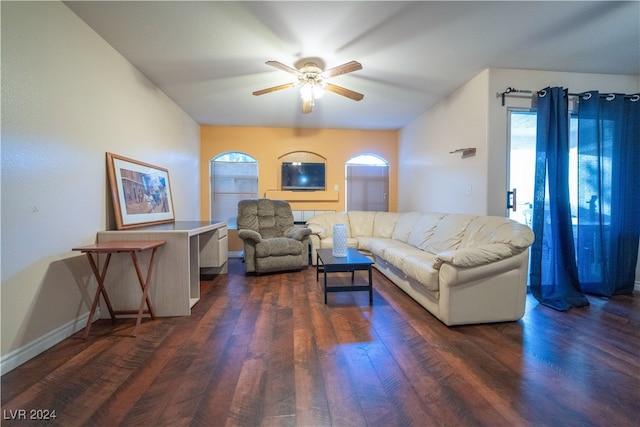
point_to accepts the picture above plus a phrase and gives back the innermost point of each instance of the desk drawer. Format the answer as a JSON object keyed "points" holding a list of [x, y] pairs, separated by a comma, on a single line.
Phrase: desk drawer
{"points": [[213, 248], [221, 232], [222, 250]]}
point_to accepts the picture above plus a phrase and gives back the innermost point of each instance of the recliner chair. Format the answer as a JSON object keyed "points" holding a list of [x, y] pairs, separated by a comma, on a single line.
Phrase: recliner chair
{"points": [[271, 240]]}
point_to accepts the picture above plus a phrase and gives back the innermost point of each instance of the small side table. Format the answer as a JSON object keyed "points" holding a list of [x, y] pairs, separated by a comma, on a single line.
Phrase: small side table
{"points": [[109, 248]]}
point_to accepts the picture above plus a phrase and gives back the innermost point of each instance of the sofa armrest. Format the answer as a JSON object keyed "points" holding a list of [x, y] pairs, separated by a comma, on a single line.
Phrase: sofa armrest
{"points": [[453, 276], [494, 292], [297, 232], [317, 230], [475, 256], [250, 235]]}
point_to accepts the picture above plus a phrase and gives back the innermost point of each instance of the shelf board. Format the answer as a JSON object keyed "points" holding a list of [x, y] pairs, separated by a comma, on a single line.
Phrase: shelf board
{"points": [[304, 196]]}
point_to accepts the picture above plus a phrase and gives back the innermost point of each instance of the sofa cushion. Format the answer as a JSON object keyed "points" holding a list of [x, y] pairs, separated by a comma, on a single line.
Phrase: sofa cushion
{"points": [[278, 246], [448, 233], [420, 268], [475, 256], [364, 243], [514, 234], [361, 223], [496, 229], [327, 243], [377, 245], [323, 224], [384, 224], [404, 225], [395, 254], [423, 229]]}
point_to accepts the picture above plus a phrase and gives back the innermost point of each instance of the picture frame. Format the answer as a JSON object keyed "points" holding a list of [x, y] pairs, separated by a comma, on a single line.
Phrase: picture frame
{"points": [[141, 192]]}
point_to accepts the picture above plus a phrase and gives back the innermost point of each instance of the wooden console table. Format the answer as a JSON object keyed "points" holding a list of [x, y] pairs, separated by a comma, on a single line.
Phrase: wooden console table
{"points": [[110, 248], [192, 248]]}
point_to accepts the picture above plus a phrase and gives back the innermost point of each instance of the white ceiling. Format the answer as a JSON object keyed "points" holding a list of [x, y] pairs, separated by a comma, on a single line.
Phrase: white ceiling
{"points": [[210, 56]]}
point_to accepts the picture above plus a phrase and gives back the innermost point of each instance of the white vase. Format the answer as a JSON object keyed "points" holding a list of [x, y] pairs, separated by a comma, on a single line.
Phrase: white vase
{"points": [[339, 240]]}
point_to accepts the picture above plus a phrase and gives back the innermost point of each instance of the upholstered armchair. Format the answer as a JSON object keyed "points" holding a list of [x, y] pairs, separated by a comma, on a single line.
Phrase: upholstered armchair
{"points": [[271, 241]]}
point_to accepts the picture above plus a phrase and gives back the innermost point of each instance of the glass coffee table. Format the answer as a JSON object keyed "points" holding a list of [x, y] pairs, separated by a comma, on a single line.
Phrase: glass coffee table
{"points": [[353, 262]]}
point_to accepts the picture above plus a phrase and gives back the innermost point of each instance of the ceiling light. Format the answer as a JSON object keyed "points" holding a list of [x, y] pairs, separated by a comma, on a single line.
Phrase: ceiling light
{"points": [[312, 81], [311, 91]]}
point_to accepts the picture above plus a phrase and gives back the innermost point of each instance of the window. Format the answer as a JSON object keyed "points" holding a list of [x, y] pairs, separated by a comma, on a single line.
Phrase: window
{"points": [[367, 183], [234, 177]]}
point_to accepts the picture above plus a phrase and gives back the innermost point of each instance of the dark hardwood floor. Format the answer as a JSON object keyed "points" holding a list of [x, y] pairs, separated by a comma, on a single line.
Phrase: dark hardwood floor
{"points": [[267, 351]]}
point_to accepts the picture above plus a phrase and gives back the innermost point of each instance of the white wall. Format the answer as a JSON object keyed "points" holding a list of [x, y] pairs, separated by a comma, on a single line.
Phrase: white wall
{"points": [[430, 179], [67, 98]]}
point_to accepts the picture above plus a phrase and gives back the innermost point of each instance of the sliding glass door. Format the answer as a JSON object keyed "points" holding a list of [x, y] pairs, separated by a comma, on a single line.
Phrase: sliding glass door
{"points": [[521, 164]]}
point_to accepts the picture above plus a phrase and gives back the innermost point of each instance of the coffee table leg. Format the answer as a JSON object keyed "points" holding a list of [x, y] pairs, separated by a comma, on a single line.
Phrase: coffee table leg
{"points": [[370, 287], [325, 284]]}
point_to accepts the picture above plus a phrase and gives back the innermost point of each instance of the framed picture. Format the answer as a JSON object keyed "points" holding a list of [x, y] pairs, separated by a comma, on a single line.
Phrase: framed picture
{"points": [[141, 192]]}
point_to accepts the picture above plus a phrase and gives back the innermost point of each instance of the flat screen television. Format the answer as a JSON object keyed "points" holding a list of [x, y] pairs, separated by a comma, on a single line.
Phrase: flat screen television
{"points": [[298, 176]]}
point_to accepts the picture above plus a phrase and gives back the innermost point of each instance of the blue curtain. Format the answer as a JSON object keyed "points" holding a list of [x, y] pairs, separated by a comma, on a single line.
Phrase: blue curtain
{"points": [[553, 273], [608, 192]]}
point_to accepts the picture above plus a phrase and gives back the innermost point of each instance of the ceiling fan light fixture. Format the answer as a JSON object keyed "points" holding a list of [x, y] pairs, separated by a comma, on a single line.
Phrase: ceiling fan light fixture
{"points": [[306, 92], [311, 91], [312, 81]]}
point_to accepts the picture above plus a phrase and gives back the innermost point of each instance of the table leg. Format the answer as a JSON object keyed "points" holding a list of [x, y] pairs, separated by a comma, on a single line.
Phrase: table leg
{"points": [[100, 290], [325, 284], [144, 285], [370, 287]]}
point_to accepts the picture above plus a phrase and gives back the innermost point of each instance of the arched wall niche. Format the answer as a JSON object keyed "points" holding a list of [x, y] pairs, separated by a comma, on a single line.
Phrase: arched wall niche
{"points": [[302, 156]]}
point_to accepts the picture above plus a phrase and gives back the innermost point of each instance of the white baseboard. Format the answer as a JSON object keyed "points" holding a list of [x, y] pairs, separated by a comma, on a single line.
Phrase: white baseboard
{"points": [[20, 355], [636, 287]]}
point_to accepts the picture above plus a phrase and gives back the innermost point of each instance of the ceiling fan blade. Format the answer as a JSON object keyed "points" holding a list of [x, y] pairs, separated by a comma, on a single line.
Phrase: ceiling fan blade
{"points": [[307, 106], [344, 92], [342, 69], [273, 89], [286, 68]]}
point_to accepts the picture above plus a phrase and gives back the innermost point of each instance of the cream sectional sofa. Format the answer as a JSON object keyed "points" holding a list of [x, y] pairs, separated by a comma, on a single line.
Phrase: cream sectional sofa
{"points": [[462, 268]]}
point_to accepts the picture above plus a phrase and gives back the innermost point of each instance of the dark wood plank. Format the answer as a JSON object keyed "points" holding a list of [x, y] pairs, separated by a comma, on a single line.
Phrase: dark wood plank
{"points": [[266, 350], [312, 405]]}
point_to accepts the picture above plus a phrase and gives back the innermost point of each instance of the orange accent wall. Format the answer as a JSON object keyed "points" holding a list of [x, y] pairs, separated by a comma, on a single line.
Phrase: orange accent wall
{"points": [[268, 145]]}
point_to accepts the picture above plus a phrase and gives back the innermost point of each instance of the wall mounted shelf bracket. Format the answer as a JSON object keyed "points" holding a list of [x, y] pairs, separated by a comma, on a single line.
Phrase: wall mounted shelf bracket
{"points": [[466, 152]]}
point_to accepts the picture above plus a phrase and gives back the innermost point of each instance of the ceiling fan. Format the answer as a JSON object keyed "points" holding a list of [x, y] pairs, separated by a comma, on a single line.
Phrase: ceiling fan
{"points": [[313, 81]]}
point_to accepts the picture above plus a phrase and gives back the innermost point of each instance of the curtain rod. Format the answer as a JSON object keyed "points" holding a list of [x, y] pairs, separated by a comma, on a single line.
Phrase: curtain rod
{"points": [[509, 91]]}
